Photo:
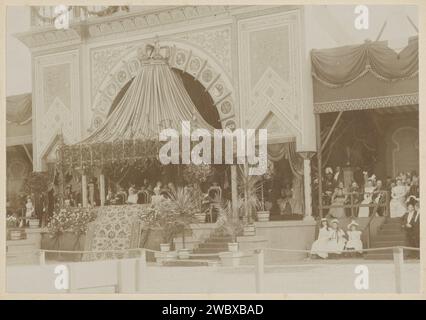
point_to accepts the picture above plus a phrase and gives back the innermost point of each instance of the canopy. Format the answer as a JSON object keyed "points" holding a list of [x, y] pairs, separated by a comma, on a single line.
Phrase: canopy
{"points": [[366, 76], [155, 100]]}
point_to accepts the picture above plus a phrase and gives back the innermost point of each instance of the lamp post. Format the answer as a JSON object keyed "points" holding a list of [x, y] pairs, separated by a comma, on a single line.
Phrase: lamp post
{"points": [[307, 156]]}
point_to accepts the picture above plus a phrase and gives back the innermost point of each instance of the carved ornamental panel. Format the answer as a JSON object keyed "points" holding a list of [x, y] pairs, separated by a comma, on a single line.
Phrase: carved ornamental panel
{"points": [[270, 82]]}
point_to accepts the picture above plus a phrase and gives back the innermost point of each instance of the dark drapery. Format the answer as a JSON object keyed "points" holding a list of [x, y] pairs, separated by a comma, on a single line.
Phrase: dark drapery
{"points": [[288, 151]]}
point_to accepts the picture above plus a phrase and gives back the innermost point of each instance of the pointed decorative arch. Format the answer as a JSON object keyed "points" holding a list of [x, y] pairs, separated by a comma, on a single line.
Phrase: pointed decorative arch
{"points": [[183, 57]]}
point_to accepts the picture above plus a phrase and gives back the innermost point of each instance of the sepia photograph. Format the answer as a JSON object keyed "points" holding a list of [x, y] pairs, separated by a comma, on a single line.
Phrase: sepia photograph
{"points": [[212, 149]]}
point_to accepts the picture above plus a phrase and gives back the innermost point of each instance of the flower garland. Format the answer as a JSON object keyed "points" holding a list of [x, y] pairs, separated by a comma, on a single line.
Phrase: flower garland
{"points": [[139, 153]]}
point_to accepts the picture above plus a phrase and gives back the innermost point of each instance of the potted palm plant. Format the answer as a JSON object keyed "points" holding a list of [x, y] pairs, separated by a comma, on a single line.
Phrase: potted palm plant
{"points": [[252, 200], [175, 216], [230, 225]]}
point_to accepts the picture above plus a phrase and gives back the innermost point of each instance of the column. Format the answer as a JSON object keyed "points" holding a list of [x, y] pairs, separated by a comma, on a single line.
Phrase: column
{"points": [[319, 165], [307, 189], [234, 190], [84, 190], [102, 188]]}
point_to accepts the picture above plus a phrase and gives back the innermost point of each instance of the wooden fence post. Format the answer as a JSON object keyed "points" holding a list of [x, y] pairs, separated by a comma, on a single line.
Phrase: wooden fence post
{"points": [[42, 257], [140, 264], [259, 270], [118, 286], [398, 260]]}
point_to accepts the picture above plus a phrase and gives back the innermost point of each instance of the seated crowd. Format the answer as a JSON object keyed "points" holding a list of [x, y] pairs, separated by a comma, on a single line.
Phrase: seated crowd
{"points": [[399, 194], [359, 199]]}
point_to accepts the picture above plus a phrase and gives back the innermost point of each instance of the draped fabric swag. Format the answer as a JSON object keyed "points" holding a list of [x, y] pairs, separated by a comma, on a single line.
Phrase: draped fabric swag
{"points": [[338, 67], [288, 151]]}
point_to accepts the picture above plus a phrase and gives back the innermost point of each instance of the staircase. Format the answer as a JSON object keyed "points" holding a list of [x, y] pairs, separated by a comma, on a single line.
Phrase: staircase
{"points": [[214, 244], [389, 235]]}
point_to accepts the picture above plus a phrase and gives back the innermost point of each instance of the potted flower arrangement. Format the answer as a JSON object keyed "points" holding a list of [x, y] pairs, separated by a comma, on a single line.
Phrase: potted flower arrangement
{"points": [[67, 227], [14, 232]]}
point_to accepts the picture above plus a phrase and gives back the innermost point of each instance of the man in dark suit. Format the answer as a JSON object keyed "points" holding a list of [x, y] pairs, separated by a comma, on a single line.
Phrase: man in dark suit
{"points": [[417, 226], [411, 224], [379, 197]]}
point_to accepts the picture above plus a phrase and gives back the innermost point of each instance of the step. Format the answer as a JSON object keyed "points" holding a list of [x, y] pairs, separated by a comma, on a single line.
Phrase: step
{"points": [[224, 239], [209, 250], [396, 227], [390, 237], [194, 256], [391, 232], [185, 263], [392, 243], [214, 245]]}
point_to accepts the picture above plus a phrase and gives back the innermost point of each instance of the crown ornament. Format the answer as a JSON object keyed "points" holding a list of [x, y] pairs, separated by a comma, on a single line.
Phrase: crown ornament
{"points": [[154, 53]]}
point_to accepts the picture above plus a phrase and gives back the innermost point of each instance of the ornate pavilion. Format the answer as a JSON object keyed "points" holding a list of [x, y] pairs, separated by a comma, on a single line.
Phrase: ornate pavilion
{"points": [[241, 66]]}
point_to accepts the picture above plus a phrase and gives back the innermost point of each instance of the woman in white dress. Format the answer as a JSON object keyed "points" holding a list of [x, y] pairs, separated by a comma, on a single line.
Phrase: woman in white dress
{"points": [[397, 204], [336, 241], [320, 246], [133, 196], [338, 200], [157, 197], [364, 212], [29, 208], [354, 238]]}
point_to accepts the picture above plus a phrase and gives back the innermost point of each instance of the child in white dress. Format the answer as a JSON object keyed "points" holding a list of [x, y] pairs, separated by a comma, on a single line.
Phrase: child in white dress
{"points": [[337, 240], [354, 238], [320, 246]]}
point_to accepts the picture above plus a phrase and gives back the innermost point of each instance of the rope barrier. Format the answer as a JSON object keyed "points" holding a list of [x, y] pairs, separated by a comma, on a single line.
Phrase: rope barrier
{"points": [[341, 251], [245, 253]]}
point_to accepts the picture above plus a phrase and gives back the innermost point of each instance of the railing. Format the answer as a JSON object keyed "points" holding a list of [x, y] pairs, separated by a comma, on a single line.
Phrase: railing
{"points": [[354, 206], [368, 226]]}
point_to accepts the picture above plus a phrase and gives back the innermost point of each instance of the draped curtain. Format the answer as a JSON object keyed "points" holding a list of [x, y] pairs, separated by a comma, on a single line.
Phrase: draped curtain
{"points": [[288, 151], [19, 108], [338, 67], [156, 99]]}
